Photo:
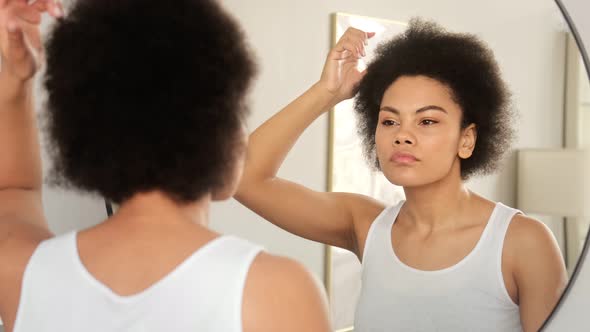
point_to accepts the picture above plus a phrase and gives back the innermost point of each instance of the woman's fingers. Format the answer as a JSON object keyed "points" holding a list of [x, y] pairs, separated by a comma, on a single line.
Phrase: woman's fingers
{"points": [[30, 13], [352, 45], [40, 5], [24, 12], [340, 73], [52, 7], [23, 38], [55, 8], [22, 54], [32, 36], [22, 18], [360, 34], [20, 40], [15, 49], [353, 41]]}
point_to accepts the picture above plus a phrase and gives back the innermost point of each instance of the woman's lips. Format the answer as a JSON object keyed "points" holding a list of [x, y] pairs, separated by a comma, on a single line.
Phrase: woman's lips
{"points": [[403, 158]]}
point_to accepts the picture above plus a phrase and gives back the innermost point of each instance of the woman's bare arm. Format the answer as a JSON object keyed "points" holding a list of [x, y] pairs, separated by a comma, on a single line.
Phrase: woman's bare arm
{"points": [[22, 222], [319, 216], [539, 270], [20, 161]]}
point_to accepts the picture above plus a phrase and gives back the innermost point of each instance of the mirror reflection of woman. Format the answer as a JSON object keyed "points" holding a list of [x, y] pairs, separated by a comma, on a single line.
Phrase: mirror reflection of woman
{"points": [[145, 107], [433, 112]]}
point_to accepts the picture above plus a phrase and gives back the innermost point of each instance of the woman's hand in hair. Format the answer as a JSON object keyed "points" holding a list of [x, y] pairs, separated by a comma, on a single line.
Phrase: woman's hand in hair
{"points": [[340, 75], [20, 39]]}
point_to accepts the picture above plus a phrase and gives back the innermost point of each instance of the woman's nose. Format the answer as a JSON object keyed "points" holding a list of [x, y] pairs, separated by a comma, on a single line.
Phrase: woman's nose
{"points": [[403, 137]]}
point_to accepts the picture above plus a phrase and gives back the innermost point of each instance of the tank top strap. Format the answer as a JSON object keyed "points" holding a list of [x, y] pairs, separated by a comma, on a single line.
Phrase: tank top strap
{"points": [[229, 259], [500, 220], [378, 236], [58, 251], [490, 255]]}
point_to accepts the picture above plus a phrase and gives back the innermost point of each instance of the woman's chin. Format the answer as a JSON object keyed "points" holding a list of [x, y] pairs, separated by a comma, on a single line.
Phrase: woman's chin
{"points": [[409, 180]]}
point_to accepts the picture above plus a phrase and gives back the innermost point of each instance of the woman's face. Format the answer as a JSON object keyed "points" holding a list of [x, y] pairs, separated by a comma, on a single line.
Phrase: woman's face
{"points": [[419, 139]]}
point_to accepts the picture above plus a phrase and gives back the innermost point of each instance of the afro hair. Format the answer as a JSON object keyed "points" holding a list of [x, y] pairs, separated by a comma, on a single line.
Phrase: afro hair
{"points": [[145, 95], [463, 63]]}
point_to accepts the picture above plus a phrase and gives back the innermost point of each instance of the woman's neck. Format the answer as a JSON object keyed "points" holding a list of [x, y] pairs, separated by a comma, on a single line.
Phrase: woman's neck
{"points": [[155, 207], [438, 205]]}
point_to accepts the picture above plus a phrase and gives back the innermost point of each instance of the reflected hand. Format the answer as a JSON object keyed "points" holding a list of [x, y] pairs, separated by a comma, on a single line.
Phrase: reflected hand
{"points": [[340, 75], [20, 40]]}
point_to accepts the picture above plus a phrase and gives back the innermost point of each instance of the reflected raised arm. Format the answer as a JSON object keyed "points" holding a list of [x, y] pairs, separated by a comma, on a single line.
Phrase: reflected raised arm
{"points": [[324, 217]]}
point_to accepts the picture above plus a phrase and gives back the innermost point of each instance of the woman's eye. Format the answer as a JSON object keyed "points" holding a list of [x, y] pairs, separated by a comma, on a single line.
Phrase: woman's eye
{"points": [[388, 122], [428, 122]]}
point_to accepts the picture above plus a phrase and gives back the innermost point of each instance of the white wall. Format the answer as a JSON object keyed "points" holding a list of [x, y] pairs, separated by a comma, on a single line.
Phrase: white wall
{"points": [[291, 39]]}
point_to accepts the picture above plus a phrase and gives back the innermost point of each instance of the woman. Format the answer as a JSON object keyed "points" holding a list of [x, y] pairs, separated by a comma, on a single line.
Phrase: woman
{"points": [[145, 107], [433, 111]]}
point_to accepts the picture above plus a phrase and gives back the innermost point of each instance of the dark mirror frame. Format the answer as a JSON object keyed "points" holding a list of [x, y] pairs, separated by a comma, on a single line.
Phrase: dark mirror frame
{"points": [[584, 253]]}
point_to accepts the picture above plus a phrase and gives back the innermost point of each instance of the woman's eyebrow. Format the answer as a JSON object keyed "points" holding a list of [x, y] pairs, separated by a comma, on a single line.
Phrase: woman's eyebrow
{"points": [[422, 109]]}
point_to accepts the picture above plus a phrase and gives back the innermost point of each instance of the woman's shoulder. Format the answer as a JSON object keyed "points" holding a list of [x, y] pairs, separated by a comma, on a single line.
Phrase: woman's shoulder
{"points": [[282, 294], [531, 247], [529, 233], [17, 244], [523, 232]]}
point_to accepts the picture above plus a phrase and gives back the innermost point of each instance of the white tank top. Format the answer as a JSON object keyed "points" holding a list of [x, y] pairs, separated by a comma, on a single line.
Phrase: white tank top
{"points": [[468, 296], [203, 293]]}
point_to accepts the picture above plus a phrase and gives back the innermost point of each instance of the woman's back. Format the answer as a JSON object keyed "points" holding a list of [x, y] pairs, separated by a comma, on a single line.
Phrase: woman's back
{"points": [[162, 85], [152, 268], [202, 293]]}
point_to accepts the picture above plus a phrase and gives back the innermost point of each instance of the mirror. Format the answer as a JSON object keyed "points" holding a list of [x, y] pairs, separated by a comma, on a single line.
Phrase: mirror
{"points": [[530, 41], [291, 39], [535, 191]]}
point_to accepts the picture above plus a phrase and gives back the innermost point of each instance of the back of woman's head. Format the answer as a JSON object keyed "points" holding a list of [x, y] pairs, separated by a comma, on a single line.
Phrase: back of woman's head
{"points": [[144, 95]]}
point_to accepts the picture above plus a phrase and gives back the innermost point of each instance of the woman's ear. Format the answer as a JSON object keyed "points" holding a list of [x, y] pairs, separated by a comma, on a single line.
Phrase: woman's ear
{"points": [[467, 141]]}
